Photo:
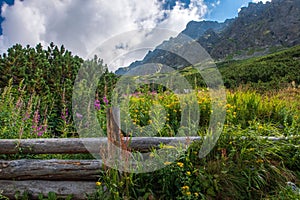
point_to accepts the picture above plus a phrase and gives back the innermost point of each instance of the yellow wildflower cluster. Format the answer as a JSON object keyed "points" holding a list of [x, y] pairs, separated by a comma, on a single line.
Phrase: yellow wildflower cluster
{"points": [[259, 161], [185, 190], [98, 183], [180, 164], [167, 163]]}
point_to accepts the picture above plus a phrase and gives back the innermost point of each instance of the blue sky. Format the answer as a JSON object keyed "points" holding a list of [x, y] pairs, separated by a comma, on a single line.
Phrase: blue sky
{"points": [[81, 25], [219, 10]]}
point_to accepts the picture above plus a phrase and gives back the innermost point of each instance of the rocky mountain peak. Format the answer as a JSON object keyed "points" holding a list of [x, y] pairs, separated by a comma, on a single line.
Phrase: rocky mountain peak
{"points": [[258, 28]]}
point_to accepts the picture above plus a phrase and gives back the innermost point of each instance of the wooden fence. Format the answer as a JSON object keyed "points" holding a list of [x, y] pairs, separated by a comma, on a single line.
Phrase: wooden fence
{"points": [[64, 177]]}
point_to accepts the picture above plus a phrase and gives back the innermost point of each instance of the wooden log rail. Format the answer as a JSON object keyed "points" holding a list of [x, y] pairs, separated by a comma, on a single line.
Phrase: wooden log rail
{"points": [[77, 145]]}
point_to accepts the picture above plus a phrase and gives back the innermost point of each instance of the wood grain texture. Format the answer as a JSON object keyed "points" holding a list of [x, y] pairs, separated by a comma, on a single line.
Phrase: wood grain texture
{"points": [[82, 145], [62, 189], [50, 169]]}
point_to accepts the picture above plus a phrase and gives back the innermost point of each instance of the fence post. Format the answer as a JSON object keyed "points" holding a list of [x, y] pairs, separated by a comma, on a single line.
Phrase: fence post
{"points": [[114, 132]]}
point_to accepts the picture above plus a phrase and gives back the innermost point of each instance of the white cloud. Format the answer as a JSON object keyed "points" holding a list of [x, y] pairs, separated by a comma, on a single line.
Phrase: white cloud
{"points": [[82, 25], [264, 1]]}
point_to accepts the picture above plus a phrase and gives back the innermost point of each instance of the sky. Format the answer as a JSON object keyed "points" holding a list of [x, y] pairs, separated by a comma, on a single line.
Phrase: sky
{"points": [[83, 26]]}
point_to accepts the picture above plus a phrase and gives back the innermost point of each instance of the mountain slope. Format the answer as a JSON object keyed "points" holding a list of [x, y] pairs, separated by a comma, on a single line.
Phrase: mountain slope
{"points": [[258, 30]]}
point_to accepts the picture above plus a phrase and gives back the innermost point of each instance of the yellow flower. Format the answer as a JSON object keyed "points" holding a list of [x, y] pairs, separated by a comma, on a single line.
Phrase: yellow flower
{"points": [[196, 194], [259, 161], [228, 105], [180, 164], [188, 193], [151, 155], [185, 187], [188, 173], [167, 163], [167, 147], [98, 183]]}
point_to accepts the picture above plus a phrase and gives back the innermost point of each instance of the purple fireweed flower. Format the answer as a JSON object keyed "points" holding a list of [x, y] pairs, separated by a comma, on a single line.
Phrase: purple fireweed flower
{"points": [[19, 103], [64, 114], [36, 117], [41, 130], [40, 133], [97, 104], [26, 116], [78, 115], [105, 100]]}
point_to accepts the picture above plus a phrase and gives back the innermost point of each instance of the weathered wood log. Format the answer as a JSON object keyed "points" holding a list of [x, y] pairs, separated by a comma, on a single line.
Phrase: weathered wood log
{"points": [[62, 189], [113, 134], [78, 145], [62, 170], [48, 146]]}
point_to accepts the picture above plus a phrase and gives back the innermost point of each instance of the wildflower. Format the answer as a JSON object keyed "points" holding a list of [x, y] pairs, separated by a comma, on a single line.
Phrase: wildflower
{"points": [[41, 130], [26, 116], [228, 105], [180, 164], [196, 194], [188, 173], [78, 115], [259, 161], [98, 183], [188, 193], [151, 155], [97, 104], [105, 100], [167, 163], [168, 147], [64, 114], [185, 187]]}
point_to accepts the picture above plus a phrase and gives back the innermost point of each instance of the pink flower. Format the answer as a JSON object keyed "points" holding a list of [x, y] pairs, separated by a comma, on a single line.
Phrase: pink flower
{"points": [[105, 100], [78, 115], [97, 104]]}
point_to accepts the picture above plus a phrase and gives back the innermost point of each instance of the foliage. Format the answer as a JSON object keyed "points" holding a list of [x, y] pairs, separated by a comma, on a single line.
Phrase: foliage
{"points": [[273, 71], [49, 75], [36, 87]]}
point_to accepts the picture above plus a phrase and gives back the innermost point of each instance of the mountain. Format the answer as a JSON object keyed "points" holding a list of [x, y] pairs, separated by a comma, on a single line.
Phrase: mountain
{"points": [[259, 29]]}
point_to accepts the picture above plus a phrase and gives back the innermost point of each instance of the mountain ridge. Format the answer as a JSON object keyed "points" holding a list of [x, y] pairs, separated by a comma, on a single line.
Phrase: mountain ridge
{"points": [[258, 30]]}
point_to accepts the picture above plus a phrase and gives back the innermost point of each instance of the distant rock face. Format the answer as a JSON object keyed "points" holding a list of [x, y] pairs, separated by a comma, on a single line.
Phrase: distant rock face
{"points": [[275, 23], [258, 26]]}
